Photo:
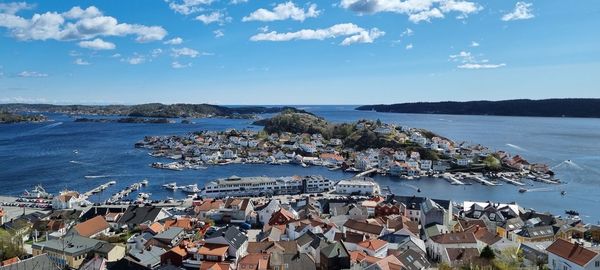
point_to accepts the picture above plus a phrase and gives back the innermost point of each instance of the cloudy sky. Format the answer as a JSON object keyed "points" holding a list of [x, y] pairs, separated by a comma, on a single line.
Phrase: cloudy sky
{"points": [[297, 52]]}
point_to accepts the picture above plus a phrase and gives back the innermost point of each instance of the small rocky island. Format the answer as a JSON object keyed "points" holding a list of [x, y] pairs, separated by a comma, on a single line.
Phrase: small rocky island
{"points": [[369, 147], [9, 118], [126, 120]]}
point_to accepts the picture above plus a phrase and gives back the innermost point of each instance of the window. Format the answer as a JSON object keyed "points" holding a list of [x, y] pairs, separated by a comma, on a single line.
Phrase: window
{"points": [[597, 264]]}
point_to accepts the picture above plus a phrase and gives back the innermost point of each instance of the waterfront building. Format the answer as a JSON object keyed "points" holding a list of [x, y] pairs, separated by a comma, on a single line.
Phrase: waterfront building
{"points": [[358, 186], [252, 186]]}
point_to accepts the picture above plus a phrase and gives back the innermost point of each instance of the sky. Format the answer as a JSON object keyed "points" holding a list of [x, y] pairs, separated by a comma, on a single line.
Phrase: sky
{"points": [[297, 52]]}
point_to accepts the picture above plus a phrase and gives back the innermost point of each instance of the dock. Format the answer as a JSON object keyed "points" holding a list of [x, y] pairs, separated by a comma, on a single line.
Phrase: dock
{"points": [[367, 172], [126, 191], [482, 180], [99, 189], [511, 181], [452, 180]]}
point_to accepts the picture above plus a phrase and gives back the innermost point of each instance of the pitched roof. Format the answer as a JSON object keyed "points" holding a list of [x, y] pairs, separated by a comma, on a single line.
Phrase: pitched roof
{"points": [[213, 249], [184, 223], [209, 205], [214, 266], [9, 261], [179, 251], [232, 234], [336, 249], [290, 247], [363, 227], [40, 262], [253, 261], [374, 244], [390, 262], [413, 260], [483, 235], [572, 252], [92, 226], [455, 238], [462, 254], [135, 215]]}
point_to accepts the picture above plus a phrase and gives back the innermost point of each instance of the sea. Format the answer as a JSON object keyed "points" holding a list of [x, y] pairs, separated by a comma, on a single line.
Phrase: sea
{"points": [[63, 154]]}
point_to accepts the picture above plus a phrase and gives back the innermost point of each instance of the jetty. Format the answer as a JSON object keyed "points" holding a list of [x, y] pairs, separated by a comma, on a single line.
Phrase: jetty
{"points": [[99, 189], [482, 180], [452, 180], [366, 173], [511, 181], [126, 191]]}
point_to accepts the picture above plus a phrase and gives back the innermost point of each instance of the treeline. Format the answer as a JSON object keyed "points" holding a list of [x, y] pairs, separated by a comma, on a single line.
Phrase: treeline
{"points": [[7, 118], [518, 107]]}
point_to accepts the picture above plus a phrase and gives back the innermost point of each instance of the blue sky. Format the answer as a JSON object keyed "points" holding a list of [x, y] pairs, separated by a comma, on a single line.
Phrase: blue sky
{"points": [[297, 52]]}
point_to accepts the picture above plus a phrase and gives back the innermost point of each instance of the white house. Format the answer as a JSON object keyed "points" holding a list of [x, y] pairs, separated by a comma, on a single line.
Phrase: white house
{"points": [[66, 200], [229, 154], [426, 164], [265, 212], [463, 161], [564, 255]]}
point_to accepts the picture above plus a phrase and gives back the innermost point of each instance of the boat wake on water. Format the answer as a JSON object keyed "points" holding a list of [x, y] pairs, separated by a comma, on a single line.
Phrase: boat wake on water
{"points": [[516, 147], [79, 162]]}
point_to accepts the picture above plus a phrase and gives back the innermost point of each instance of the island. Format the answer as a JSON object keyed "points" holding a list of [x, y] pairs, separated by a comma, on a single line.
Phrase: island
{"points": [[566, 107], [126, 120], [8, 118], [154, 110], [365, 147]]}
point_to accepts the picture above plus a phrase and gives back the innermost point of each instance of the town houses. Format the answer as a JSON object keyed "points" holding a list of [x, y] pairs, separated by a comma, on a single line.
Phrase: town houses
{"points": [[415, 152], [329, 230]]}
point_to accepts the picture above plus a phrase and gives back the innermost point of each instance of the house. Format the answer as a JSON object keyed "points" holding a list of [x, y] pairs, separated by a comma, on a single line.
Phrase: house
{"points": [[437, 245], [335, 256], [365, 228], [281, 217], [413, 260], [310, 243], [297, 261], [167, 239], [109, 252], [433, 212], [66, 200], [181, 222], [213, 252], [563, 254], [459, 256], [70, 251], [142, 256], [374, 247], [135, 215], [535, 234], [38, 262], [265, 211], [93, 227], [231, 236], [203, 208], [254, 261]]}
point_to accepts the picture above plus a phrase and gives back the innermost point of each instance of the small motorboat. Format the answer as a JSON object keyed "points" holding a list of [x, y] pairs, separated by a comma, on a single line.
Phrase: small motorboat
{"points": [[522, 190], [563, 193]]}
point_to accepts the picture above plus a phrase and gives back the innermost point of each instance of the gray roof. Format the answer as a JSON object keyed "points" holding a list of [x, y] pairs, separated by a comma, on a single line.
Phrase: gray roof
{"points": [[232, 234], [146, 256], [40, 262], [297, 261], [336, 249], [71, 244], [413, 260], [169, 234], [135, 215]]}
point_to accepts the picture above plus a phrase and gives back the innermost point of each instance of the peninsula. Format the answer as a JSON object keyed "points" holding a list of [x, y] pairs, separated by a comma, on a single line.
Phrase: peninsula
{"points": [[567, 107], [8, 118], [155, 110]]}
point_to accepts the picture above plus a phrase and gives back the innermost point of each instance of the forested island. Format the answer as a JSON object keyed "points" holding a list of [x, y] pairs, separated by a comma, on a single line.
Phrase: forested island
{"points": [[154, 110], [8, 118], [519, 107]]}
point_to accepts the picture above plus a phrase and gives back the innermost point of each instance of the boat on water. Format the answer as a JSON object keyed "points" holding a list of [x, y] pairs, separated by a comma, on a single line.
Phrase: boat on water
{"points": [[191, 189], [144, 182], [522, 190], [171, 186], [112, 183], [38, 192], [563, 193], [143, 195]]}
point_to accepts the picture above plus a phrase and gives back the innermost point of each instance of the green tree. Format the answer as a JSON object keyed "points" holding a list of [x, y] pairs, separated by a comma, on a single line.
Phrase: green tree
{"points": [[487, 253]]}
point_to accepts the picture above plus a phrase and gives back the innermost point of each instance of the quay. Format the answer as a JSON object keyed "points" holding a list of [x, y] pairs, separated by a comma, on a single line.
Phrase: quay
{"points": [[98, 189], [452, 180], [366, 173], [126, 191]]}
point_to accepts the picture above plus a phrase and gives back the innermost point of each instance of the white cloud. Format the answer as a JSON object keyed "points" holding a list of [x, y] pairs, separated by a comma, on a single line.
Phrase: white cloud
{"points": [[264, 28], [283, 11], [178, 65], [235, 2], [219, 33], [187, 7], [76, 24], [116, 55], [156, 52], [13, 8], [407, 33], [213, 17], [416, 10], [474, 44], [174, 41], [81, 62], [409, 46], [184, 52], [32, 74], [135, 60], [352, 32], [523, 11], [480, 66], [469, 61], [97, 44]]}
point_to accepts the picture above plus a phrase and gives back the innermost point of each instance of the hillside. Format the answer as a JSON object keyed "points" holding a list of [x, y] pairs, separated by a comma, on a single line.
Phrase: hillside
{"points": [[360, 135], [519, 107], [145, 110], [7, 118]]}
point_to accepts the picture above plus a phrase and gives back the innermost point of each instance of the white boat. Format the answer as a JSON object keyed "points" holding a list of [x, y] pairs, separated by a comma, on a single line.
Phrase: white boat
{"points": [[191, 189], [37, 192], [144, 182], [144, 196], [171, 186], [112, 183]]}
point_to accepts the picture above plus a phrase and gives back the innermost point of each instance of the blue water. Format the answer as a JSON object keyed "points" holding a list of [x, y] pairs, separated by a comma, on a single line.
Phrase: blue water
{"points": [[42, 153]]}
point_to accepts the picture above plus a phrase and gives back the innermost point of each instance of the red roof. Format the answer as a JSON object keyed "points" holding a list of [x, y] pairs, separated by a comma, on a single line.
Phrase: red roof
{"points": [[572, 252]]}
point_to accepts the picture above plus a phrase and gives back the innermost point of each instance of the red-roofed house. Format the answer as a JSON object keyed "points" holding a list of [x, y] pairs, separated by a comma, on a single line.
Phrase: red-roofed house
{"points": [[563, 254], [281, 217], [375, 247]]}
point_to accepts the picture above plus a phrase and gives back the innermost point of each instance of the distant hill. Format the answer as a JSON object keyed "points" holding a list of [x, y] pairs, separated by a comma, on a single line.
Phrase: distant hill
{"points": [[8, 118], [156, 110], [517, 107]]}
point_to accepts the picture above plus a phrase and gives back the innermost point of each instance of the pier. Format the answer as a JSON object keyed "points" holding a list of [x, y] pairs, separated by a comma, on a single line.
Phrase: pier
{"points": [[126, 191], [99, 189], [511, 181], [452, 180], [482, 180], [367, 172]]}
